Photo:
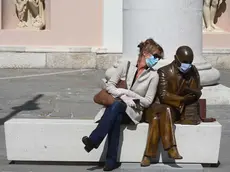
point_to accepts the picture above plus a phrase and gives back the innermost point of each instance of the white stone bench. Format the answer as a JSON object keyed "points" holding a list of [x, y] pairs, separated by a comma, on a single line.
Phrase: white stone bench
{"points": [[60, 140]]}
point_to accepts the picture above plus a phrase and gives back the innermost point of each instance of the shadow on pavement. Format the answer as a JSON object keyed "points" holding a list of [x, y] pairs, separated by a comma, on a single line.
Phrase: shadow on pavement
{"points": [[29, 105], [63, 163]]}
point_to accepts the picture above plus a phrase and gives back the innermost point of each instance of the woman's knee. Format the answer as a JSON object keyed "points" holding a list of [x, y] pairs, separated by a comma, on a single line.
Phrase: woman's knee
{"points": [[118, 106]]}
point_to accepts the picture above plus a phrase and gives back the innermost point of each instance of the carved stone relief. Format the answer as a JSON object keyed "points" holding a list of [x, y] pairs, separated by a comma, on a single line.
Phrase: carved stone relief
{"points": [[31, 14], [209, 14]]}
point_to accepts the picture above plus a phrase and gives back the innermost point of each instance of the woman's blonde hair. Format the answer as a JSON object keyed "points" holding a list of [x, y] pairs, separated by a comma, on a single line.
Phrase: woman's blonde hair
{"points": [[150, 46]]}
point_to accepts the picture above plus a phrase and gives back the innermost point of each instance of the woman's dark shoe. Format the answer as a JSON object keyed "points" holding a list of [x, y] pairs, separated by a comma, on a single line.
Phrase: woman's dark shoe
{"points": [[88, 143], [111, 168]]}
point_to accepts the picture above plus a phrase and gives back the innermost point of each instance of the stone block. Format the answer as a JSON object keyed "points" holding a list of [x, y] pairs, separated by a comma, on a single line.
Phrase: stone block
{"points": [[216, 94], [60, 140], [223, 62], [219, 58], [71, 60], [22, 60], [12, 49], [105, 61]]}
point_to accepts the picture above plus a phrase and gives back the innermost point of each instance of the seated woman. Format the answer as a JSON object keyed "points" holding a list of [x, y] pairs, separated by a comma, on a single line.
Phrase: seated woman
{"points": [[142, 81]]}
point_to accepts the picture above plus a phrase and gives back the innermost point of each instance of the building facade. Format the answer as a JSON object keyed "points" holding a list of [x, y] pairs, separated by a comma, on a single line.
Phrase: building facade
{"points": [[80, 33]]}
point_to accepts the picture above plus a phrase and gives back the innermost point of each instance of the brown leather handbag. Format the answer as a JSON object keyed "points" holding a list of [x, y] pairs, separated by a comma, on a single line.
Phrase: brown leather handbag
{"points": [[106, 99]]}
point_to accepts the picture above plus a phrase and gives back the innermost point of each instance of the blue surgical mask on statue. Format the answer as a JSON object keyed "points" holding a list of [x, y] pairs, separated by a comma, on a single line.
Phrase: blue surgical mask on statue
{"points": [[184, 67], [151, 61]]}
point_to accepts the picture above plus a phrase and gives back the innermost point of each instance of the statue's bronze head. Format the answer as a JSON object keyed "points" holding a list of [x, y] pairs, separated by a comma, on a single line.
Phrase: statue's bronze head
{"points": [[184, 54], [184, 59]]}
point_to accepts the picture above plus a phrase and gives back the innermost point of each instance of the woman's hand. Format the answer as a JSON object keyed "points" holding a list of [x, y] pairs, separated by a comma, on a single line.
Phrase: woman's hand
{"points": [[117, 92], [128, 100]]}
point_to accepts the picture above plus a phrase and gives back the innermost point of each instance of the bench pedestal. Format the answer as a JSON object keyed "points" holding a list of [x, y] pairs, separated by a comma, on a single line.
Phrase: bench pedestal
{"points": [[60, 140]]}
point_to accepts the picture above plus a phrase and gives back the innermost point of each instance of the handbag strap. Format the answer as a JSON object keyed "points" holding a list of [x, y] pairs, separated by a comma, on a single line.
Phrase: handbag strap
{"points": [[126, 74], [127, 69]]}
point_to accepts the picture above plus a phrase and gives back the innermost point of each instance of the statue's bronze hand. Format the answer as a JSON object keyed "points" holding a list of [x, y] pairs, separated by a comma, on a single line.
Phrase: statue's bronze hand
{"points": [[196, 92], [189, 98]]}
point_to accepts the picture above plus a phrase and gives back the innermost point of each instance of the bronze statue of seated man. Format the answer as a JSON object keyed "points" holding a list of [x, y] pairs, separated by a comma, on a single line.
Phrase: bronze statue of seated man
{"points": [[177, 98]]}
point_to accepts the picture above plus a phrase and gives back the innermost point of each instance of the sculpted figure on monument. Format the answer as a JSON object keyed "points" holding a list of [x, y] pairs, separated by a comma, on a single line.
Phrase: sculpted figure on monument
{"points": [[209, 14], [31, 13], [177, 98]]}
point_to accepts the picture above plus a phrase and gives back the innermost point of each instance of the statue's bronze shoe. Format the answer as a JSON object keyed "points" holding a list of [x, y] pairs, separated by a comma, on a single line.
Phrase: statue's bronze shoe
{"points": [[173, 153], [145, 161]]}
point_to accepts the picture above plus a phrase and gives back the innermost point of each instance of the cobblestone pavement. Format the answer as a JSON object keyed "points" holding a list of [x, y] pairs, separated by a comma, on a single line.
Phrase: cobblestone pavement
{"points": [[63, 95]]}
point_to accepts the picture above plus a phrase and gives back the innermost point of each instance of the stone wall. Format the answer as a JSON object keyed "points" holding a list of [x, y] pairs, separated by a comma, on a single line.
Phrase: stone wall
{"points": [[82, 57]]}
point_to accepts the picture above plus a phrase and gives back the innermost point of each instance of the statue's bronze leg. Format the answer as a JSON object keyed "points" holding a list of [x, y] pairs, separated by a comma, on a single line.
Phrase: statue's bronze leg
{"points": [[152, 142], [166, 129], [153, 138], [167, 133]]}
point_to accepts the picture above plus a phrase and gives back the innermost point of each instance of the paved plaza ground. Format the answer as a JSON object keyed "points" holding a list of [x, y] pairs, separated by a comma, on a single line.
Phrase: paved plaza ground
{"points": [[68, 94]]}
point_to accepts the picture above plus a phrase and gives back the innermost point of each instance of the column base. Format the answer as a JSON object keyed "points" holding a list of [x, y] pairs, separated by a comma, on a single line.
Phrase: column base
{"points": [[209, 76]]}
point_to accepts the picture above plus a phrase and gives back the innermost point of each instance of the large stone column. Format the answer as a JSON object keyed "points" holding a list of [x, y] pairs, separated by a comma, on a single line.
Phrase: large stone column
{"points": [[171, 24]]}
